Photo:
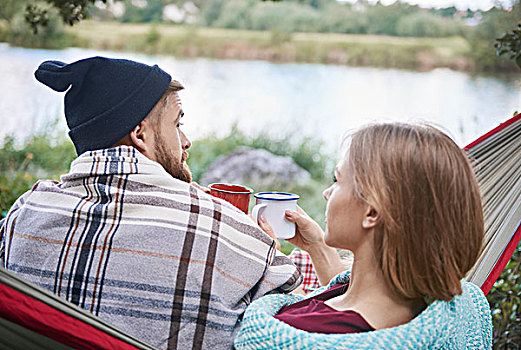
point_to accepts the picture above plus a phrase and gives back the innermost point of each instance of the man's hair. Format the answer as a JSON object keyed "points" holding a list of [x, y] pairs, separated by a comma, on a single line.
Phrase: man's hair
{"points": [[158, 111], [423, 186]]}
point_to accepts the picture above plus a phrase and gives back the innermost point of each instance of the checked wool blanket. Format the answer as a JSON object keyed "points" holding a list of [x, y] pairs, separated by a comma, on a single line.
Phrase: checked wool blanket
{"points": [[152, 255]]}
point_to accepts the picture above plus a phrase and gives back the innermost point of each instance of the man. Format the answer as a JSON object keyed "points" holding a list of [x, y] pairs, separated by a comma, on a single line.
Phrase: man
{"points": [[124, 234]]}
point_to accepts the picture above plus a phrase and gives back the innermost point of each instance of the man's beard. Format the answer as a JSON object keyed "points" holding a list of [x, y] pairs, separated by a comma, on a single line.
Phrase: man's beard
{"points": [[165, 157]]}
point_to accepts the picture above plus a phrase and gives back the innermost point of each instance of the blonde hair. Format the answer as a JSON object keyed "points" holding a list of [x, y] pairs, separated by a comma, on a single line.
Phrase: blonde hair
{"points": [[424, 188]]}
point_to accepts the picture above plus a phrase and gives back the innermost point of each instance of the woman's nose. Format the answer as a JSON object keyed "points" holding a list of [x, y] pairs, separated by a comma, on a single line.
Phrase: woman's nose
{"points": [[326, 193]]}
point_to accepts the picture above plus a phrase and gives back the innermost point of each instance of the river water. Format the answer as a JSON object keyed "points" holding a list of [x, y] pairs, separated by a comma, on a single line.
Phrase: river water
{"points": [[303, 99]]}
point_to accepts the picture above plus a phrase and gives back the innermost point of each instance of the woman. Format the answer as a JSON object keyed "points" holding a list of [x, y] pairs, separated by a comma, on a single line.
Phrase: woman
{"points": [[407, 204]]}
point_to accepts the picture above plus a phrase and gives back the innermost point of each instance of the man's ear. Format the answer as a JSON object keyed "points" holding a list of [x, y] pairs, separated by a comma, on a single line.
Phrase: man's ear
{"points": [[142, 138], [372, 218]]}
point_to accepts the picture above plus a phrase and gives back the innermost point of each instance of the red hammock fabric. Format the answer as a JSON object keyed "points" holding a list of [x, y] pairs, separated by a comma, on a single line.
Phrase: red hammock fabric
{"points": [[516, 237], [45, 320], [502, 262]]}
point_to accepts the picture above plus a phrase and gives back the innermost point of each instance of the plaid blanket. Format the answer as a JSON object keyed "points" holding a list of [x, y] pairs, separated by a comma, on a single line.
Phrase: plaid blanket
{"points": [[303, 262], [464, 322], [152, 255]]}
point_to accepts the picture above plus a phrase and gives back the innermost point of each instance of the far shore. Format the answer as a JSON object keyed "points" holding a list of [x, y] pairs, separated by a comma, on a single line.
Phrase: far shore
{"points": [[420, 54]]}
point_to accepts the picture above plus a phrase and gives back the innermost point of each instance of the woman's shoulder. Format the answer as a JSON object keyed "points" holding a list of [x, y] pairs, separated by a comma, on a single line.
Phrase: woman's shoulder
{"points": [[463, 322]]}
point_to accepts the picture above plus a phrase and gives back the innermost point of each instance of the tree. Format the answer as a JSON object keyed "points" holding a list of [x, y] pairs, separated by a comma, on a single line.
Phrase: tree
{"points": [[510, 44], [71, 11]]}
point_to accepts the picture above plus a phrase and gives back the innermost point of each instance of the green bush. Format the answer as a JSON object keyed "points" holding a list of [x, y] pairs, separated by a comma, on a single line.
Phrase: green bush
{"points": [[47, 154], [505, 303], [510, 44], [341, 19], [426, 25], [234, 14], [384, 19], [151, 12], [15, 181], [211, 11], [4, 30], [52, 36], [305, 19], [279, 36], [495, 24], [269, 15], [308, 153]]}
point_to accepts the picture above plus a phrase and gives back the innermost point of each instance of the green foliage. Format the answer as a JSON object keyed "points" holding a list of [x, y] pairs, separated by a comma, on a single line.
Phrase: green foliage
{"points": [[305, 19], [494, 25], [308, 153], [384, 19], [510, 44], [4, 30], [505, 303], [279, 36], [445, 12], [212, 11], [284, 18], [51, 36], [151, 12], [268, 15], [426, 25], [47, 154], [15, 178], [234, 14], [342, 19], [39, 13], [16, 30], [152, 37], [9, 8], [327, 16]]}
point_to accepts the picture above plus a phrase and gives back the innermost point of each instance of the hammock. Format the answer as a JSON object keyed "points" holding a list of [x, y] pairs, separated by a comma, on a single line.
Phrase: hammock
{"points": [[497, 160], [34, 318], [31, 317]]}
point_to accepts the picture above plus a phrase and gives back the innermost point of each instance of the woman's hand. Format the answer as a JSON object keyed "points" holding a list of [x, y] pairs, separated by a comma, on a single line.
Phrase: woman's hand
{"points": [[263, 224], [308, 233], [310, 237]]}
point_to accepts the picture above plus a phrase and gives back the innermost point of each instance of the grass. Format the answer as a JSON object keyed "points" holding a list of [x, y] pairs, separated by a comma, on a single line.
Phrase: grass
{"points": [[348, 49]]}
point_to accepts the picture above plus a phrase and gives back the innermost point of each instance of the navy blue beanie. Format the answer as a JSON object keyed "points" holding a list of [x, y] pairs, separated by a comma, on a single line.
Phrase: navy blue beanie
{"points": [[107, 97]]}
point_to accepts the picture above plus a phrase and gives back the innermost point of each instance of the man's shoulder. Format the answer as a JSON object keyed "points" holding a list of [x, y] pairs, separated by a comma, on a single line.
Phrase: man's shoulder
{"points": [[20, 202], [37, 185], [227, 216]]}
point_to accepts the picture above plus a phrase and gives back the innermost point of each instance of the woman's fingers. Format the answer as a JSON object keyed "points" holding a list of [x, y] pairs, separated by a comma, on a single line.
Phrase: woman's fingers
{"points": [[292, 215], [301, 211], [308, 231], [300, 218], [266, 227]]}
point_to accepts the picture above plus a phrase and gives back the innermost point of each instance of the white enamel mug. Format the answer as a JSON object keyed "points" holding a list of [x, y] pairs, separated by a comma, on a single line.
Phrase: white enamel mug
{"points": [[272, 206]]}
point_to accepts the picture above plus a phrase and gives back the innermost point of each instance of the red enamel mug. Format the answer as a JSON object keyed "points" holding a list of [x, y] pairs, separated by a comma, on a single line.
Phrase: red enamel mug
{"points": [[237, 195]]}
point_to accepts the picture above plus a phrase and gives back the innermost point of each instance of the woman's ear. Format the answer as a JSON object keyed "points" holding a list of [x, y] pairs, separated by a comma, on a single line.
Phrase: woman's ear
{"points": [[371, 219]]}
